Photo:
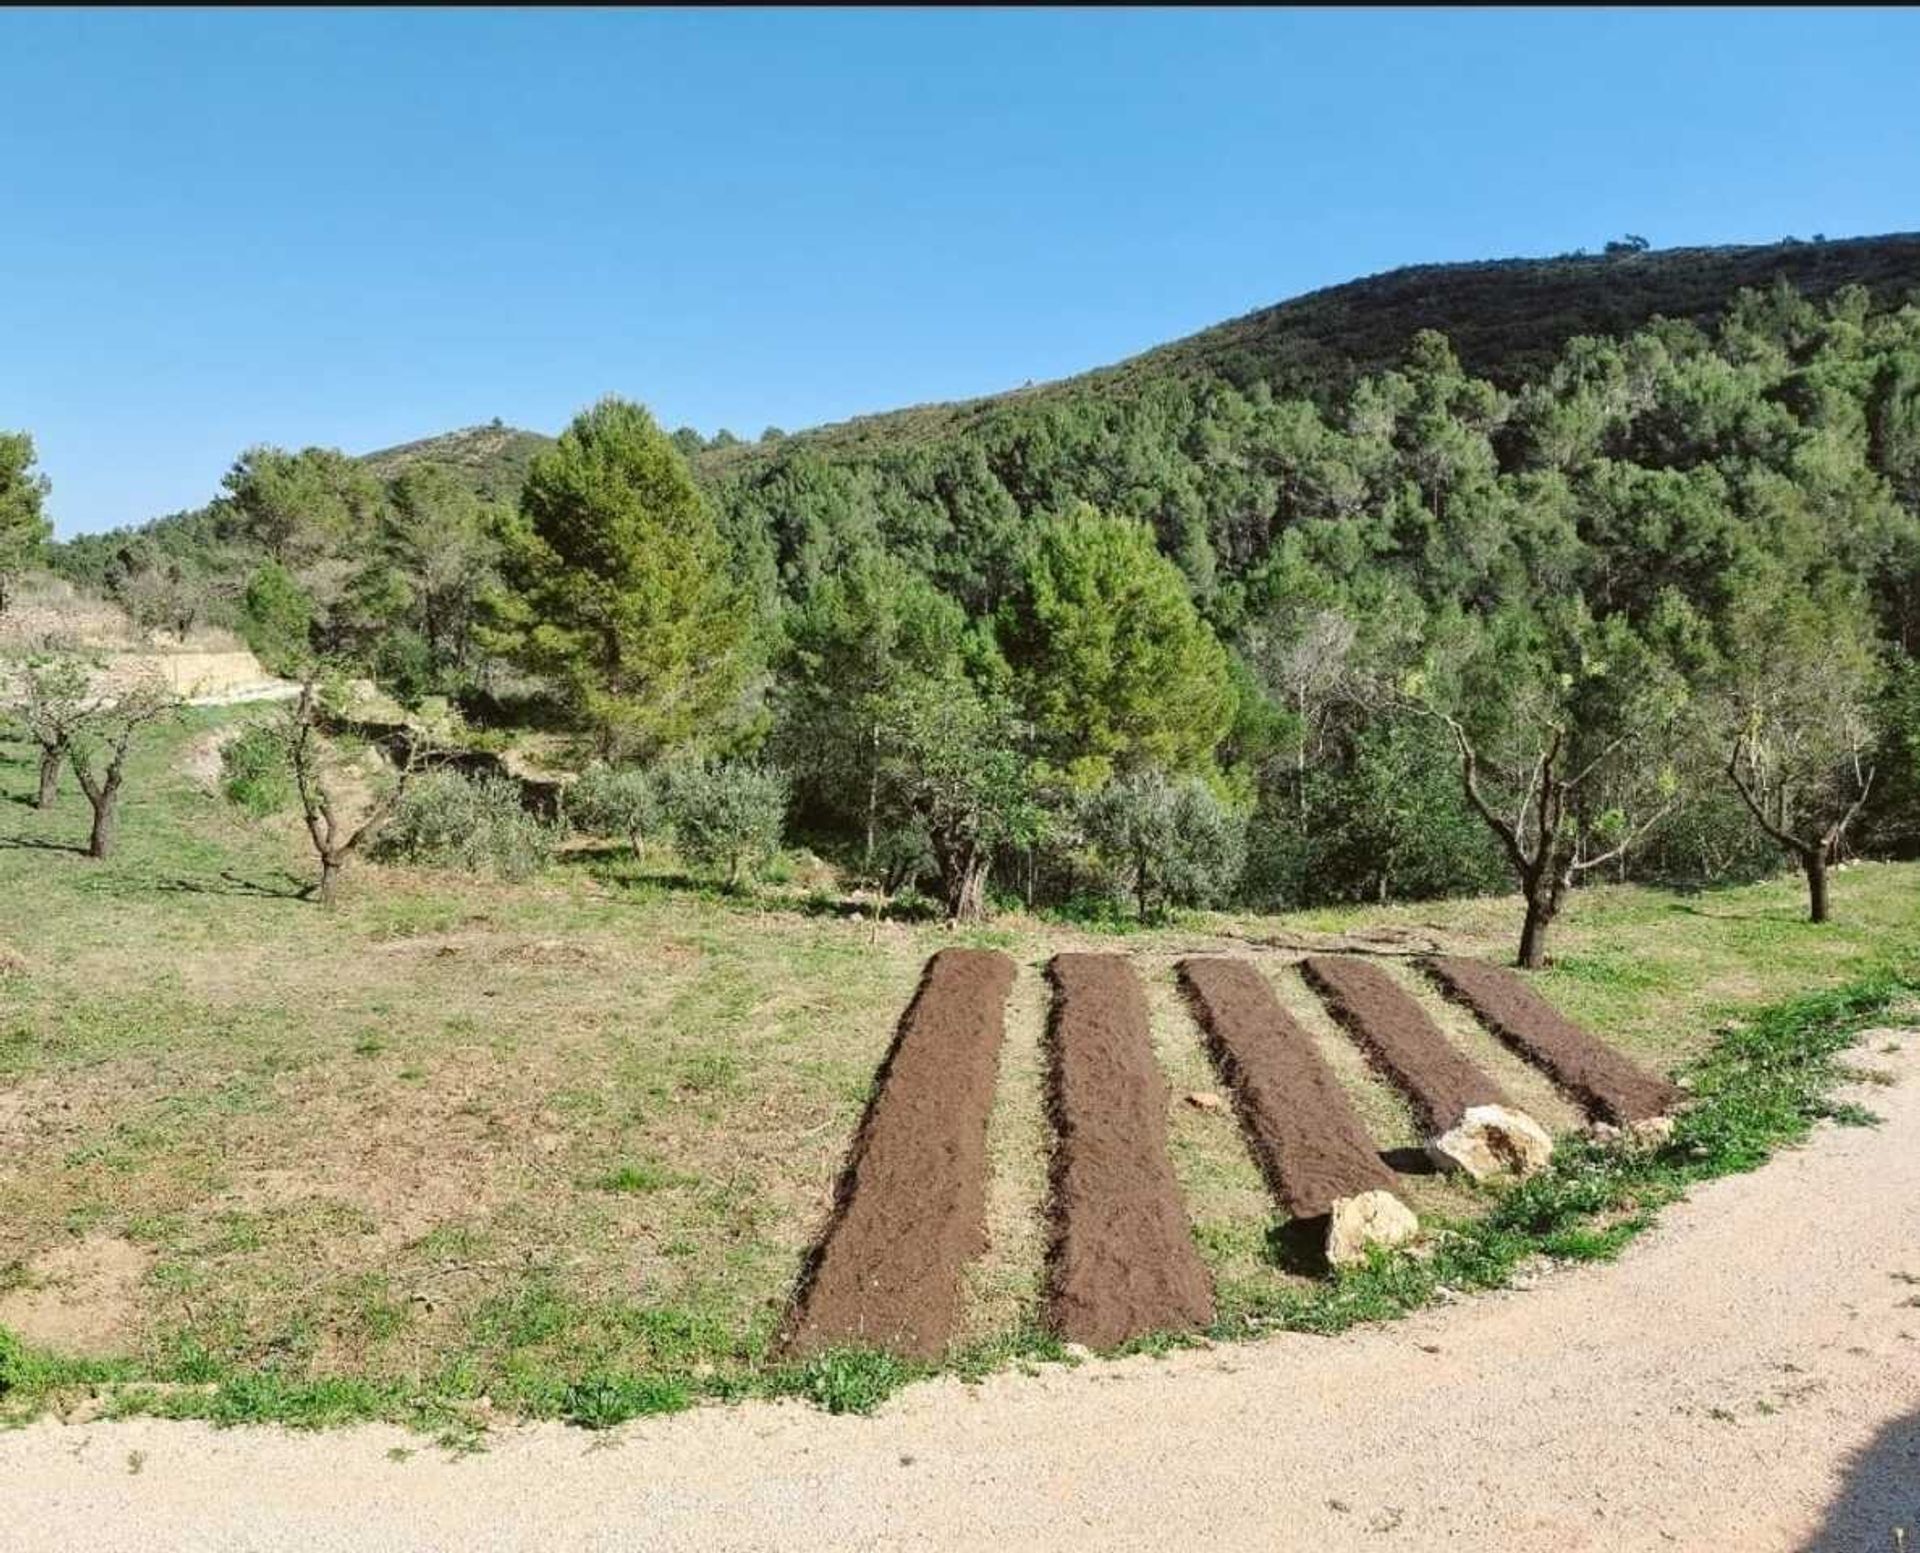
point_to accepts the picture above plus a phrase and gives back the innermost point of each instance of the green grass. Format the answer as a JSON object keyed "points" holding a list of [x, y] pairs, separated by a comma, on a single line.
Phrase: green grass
{"points": [[556, 1150]]}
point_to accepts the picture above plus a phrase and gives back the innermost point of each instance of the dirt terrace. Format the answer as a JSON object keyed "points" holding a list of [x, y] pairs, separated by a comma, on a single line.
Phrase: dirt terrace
{"points": [[1400, 1037]]}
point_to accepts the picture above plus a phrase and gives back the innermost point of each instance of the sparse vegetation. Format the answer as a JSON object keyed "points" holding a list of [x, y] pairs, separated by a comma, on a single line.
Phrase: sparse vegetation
{"points": [[563, 1143]]}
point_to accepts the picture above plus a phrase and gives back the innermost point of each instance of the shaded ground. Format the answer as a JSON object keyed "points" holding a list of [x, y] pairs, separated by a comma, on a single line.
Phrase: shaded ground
{"points": [[1769, 1407]]}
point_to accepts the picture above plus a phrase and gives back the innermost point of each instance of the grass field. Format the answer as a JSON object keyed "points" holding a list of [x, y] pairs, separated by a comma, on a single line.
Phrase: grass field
{"points": [[558, 1148]]}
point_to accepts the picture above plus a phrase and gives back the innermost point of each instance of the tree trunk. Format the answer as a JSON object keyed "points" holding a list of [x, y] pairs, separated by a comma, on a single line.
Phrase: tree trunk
{"points": [[329, 891], [873, 800], [106, 815], [50, 763], [966, 889], [1814, 861], [1533, 933]]}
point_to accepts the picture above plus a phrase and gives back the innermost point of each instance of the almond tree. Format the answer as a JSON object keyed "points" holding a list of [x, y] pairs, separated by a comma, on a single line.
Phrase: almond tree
{"points": [[99, 742], [1802, 676], [54, 697], [336, 836], [1561, 752]]}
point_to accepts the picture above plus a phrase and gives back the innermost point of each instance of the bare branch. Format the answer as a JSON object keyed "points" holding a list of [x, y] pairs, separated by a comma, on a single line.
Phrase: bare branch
{"points": [[1791, 842]]}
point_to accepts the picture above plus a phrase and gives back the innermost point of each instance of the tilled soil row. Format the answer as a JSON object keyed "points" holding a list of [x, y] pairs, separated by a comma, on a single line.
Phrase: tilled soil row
{"points": [[910, 1210], [1402, 1040], [1608, 1085], [1300, 1126], [1122, 1263]]}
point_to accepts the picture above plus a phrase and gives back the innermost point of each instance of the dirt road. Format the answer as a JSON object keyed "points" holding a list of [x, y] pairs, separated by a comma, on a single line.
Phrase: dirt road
{"points": [[1747, 1377]]}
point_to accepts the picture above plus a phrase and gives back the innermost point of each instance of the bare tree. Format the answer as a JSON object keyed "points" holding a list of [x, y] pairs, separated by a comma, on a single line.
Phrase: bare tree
{"points": [[1565, 730], [1551, 833], [99, 745], [336, 836], [53, 700], [1802, 680]]}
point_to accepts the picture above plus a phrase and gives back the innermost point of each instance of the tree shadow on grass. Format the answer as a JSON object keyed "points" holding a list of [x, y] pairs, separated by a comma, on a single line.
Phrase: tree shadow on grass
{"points": [[1880, 1496], [41, 844], [293, 888], [1779, 914]]}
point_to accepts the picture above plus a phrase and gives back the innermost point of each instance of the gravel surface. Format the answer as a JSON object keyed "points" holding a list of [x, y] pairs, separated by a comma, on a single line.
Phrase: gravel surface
{"points": [[1747, 1376]]}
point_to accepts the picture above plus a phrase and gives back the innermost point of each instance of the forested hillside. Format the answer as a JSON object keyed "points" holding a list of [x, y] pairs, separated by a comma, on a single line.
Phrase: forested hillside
{"points": [[1322, 604]]}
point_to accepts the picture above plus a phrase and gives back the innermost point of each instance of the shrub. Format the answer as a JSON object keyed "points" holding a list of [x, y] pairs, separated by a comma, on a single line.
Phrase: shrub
{"points": [[450, 820], [254, 773], [727, 816], [1173, 843], [616, 801]]}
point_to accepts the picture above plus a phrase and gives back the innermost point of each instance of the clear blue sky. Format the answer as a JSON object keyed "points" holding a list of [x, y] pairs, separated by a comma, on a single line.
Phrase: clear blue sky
{"points": [[357, 228]]}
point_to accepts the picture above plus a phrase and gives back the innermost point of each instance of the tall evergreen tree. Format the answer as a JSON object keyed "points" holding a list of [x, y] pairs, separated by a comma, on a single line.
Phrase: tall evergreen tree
{"points": [[618, 588], [24, 528]]}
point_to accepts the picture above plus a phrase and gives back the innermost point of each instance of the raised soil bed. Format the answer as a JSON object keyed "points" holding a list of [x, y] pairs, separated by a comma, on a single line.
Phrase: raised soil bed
{"points": [[1303, 1131], [1122, 1262], [1607, 1085], [910, 1211], [1402, 1040]]}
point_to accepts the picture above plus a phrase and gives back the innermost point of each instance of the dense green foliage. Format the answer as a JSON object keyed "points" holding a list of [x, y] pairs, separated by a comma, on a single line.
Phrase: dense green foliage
{"points": [[24, 528], [1323, 561], [727, 816], [253, 772], [617, 588]]}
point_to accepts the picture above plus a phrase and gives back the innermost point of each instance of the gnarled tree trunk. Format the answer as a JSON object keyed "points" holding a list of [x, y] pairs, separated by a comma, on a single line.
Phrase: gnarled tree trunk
{"points": [[51, 759]]}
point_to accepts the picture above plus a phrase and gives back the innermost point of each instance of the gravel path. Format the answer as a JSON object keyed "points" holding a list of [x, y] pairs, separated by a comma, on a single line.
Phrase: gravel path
{"points": [[1748, 1376]]}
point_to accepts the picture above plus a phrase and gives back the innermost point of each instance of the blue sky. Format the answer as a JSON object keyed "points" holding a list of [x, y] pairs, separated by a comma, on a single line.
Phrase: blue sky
{"points": [[358, 228]]}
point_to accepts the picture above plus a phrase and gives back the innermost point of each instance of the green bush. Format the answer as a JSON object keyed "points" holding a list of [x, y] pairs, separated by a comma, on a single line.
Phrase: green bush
{"points": [[449, 820], [1172, 843], [254, 773], [727, 816], [616, 801]]}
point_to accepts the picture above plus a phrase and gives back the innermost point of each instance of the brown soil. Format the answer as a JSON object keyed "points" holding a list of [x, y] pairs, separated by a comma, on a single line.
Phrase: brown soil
{"points": [[1299, 1123], [1402, 1040], [910, 1211], [1607, 1084], [1122, 1262], [80, 1297]]}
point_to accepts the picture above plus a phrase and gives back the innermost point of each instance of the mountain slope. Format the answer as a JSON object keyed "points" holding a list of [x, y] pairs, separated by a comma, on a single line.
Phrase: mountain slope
{"points": [[1507, 318], [492, 459]]}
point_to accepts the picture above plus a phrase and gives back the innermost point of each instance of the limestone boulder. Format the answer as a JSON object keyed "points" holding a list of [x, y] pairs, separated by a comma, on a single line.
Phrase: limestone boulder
{"points": [[1493, 1140]]}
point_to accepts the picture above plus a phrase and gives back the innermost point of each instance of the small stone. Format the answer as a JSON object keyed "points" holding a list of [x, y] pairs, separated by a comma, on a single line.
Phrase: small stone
{"points": [[1651, 1132], [1365, 1220], [1493, 1140], [1201, 1100], [1079, 1353]]}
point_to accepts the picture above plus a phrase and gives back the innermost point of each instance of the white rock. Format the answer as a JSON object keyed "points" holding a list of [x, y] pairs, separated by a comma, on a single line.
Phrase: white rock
{"points": [[1491, 1140], [1651, 1132], [1368, 1219]]}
